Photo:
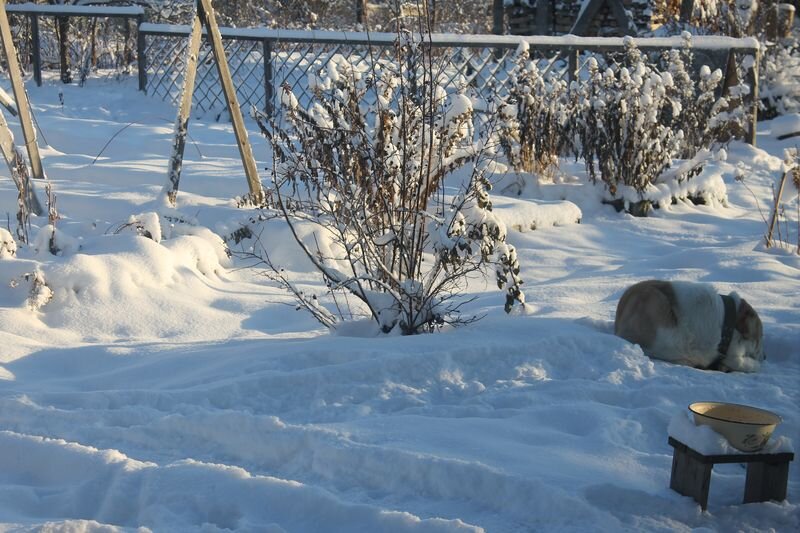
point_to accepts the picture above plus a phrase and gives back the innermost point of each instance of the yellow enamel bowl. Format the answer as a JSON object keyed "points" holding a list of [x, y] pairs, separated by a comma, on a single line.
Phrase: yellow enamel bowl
{"points": [[746, 428]]}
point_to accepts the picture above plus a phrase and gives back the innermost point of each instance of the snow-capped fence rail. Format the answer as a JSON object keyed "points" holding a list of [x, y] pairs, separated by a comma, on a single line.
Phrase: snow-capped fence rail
{"points": [[262, 60]]}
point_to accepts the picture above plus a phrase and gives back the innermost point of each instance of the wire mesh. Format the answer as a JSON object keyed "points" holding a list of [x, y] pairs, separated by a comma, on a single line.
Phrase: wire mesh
{"points": [[482, 71]]}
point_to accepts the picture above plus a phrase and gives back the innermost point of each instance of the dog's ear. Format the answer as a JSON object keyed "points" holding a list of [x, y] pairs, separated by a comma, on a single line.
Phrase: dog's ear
{"points": [[744, 317]]}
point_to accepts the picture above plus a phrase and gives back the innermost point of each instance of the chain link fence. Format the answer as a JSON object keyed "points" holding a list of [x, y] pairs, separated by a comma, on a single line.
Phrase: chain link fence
{"points": [[263, 60]]}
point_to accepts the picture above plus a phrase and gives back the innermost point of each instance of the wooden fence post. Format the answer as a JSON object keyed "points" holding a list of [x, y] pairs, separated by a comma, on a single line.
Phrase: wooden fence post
{"points": [[731, 73]]}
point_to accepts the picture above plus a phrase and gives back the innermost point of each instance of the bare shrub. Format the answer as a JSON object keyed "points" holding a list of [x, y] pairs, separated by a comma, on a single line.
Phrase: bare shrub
{"points": [[371, 177]]}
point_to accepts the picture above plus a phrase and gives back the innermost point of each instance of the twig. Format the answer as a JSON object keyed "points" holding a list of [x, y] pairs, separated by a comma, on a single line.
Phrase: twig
{"points": [[41, 131], [110, 140]]}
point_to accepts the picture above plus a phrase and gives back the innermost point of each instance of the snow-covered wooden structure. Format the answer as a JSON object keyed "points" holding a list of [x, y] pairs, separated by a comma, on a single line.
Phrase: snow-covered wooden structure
{"points": [[16, 163], [580, 17]]}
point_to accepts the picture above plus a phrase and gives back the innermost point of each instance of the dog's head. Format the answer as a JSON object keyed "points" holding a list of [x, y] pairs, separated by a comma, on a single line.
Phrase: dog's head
{"points": [[746, 350]]}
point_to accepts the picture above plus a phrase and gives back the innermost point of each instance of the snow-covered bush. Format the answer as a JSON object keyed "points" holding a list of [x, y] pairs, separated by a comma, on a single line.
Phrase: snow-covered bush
{"points": [[531, 130], [371, 178], [767, 20], [702, 117], [729, 17], [8, 246], [144, 224], [779, 81], [619, 122], [40, 292], [632, 120], [52, 240]]}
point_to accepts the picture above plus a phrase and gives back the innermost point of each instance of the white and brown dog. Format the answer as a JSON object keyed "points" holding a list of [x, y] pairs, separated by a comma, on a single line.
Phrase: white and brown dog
{"points": [[691, 324]]}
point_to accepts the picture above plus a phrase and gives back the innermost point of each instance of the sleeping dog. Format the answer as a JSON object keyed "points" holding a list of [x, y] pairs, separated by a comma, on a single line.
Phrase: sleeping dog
{"points": [[691, 324]]}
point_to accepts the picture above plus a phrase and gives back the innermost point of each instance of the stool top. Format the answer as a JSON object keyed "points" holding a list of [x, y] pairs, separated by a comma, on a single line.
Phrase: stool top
{"points": [[781, 457]]}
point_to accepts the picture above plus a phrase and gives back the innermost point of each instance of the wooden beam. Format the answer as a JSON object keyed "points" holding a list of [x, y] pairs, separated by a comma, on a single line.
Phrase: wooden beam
{"points": [[184, 111], [21, 97], [8, 102], [774, 219], [206, 12]]}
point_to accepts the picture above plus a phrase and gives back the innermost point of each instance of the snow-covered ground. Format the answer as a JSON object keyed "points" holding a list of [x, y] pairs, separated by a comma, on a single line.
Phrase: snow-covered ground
{"points": [[166, 387]]}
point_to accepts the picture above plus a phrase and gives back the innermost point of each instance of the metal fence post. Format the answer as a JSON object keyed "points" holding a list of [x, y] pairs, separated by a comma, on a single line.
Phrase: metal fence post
{"points": [[573, 65], [752, 79], [141, 58], [269, 89], [36, 50]]}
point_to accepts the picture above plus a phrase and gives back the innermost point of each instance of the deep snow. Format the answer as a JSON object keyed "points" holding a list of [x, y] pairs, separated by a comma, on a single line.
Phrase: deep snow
{"points": [[166, 387]]}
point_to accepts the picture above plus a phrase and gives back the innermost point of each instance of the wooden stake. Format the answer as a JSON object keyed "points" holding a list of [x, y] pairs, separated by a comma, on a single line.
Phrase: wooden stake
{"points": [[184, 111], [204, 16], [206, 12], [774, 219], [23, 106]]}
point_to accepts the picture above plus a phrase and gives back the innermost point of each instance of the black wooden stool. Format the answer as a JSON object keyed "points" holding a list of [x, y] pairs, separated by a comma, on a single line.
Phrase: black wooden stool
{"points": [[767, 473]]}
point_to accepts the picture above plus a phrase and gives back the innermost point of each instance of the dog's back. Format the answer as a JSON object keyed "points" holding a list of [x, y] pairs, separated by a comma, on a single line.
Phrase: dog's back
{"points": [[643, 309], [673, 321]]}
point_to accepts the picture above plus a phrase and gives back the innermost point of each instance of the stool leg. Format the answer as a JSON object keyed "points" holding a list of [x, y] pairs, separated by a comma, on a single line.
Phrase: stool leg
{"points": [[766, 482], [690, 477]]}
